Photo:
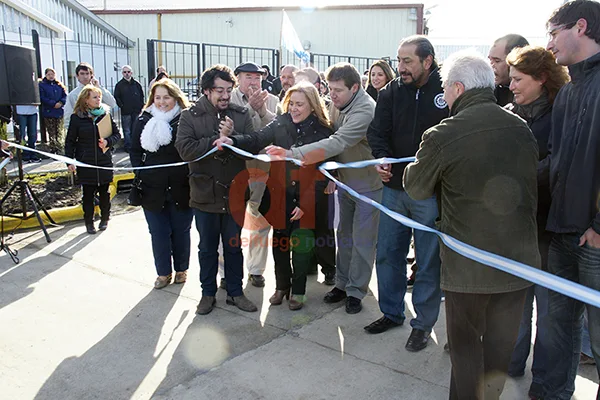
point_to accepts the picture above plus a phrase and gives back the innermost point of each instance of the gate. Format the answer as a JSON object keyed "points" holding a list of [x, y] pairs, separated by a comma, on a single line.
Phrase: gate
{"points": [[180, 59], [235, 55]]}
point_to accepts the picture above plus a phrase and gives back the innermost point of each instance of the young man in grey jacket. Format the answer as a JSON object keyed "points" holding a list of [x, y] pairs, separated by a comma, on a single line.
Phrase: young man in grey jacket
{"points": [[351, 112]]}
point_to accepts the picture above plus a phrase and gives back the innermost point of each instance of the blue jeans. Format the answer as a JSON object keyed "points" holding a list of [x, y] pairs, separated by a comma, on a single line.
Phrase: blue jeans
{"points": [[565, 315], [28, 127], [392, 248], [213, 228], [170, 232], [127, 121], [523, 345]]}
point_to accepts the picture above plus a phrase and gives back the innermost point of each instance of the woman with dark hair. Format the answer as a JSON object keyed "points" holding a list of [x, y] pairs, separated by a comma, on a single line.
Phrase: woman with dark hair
{"points": [[535, 81], [91, 136], [53, 96], [304, 120], [165, 191], [379, 75]]}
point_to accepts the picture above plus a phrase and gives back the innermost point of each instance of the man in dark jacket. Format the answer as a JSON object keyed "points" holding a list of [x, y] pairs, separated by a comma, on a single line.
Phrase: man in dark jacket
{"points": [[130, 99], [497, 57], [210, 183], [482, 163], [574, 177], [406, 107]]}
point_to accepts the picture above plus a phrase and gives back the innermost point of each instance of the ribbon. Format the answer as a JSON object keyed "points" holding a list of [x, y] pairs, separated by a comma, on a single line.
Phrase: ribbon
{"points": [[531, 274]]}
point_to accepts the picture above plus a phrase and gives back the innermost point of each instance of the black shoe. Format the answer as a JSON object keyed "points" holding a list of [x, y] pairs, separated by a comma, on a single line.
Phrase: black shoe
{"points": [[223, 284], [90, 229], [329, 279], [103, 225], [382, 325], [353, 305], [417, 340], [256, 280], [447, 347], [334, 296]]}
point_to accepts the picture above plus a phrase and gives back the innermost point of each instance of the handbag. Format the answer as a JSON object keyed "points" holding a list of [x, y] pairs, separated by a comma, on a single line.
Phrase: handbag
{"points": [[136, 192]]}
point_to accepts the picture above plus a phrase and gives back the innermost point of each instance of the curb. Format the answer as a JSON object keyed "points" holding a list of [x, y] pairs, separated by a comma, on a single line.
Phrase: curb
{"points": [[63, 214]]}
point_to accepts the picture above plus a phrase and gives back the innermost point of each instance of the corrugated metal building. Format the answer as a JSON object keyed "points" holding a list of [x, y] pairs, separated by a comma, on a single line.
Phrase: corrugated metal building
{"points": [[69, 33], [352, 29]]}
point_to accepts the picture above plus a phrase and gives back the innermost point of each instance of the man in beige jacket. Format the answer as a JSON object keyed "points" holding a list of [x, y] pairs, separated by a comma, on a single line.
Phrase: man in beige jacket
{"points": [[351, 111], [262, 108]]}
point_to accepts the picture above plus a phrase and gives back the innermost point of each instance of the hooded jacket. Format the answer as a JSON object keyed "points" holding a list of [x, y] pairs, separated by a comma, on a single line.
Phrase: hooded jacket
{"points": [[51, 92]]}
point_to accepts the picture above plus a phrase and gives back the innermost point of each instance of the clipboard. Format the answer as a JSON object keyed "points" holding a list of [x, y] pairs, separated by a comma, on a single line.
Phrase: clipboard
{"points": [[104, 127]]}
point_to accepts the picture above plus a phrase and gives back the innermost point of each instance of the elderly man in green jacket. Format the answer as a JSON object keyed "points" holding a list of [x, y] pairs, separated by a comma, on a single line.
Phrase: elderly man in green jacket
{"points": [[351, 111], [482, 164]]}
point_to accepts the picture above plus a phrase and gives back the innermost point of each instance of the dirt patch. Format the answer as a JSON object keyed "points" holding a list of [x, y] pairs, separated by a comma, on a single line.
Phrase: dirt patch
{"points": [[53, 190]]}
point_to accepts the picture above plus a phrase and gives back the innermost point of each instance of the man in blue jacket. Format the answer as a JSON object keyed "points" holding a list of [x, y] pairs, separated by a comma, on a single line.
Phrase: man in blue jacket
{"points": [[407, 107], [573, 170]]}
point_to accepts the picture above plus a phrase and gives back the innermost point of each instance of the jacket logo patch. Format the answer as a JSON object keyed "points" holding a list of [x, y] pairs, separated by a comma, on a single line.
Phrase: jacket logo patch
{"points": [[439, 101]]}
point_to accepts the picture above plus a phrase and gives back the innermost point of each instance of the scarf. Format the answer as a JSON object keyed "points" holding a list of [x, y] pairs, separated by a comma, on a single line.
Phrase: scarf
{"points": [[534, 110], [97, 113], [158, 131]]}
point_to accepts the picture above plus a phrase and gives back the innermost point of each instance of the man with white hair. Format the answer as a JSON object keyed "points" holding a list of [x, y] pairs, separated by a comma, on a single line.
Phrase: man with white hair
{"points": [[482, 164]]}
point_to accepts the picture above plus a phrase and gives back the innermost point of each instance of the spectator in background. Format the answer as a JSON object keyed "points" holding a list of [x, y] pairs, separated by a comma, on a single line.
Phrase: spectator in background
{"points": [[379, 75], [160, 70], [269, 82], [27, 117], [85, 76], [262, 108], [535, 81], [53, 96], [86, 144], [166, 191], [497, 57], [287, 79], [130, 99], [487, 198]]}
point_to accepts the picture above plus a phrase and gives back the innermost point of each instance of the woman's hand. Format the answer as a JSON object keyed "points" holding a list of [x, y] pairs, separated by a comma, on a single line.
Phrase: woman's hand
{"points": [[330, 187], [221, 141], [71, 168], [226, 127], [103, 144], [58, 105], [297, 214], [278, 153]]}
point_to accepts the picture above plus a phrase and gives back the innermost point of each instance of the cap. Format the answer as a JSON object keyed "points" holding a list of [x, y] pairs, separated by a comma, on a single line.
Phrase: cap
{"points": [[248, 67]]}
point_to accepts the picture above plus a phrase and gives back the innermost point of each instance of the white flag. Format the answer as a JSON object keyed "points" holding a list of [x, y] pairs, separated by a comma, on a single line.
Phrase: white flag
{"points": [[290, 39]]}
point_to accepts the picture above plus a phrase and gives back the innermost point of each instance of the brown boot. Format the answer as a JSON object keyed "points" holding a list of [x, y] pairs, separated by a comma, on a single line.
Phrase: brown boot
{"points": [[296, 302], [242, 303], [162, 281], [206, 305], [278, 296]]}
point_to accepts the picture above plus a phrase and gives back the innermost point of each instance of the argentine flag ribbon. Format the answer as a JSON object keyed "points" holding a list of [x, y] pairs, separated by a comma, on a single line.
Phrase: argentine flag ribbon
{"points": [[290, 40]]}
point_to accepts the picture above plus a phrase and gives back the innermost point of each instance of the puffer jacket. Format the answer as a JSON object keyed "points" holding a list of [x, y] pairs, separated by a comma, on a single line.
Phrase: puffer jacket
{"points": [[157, 182], [51, 92], [289, 185], [81, 143], [212, 177]]}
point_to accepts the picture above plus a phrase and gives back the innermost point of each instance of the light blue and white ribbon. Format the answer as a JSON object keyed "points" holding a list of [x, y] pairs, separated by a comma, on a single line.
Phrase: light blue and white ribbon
{"points": [[531, 274]]}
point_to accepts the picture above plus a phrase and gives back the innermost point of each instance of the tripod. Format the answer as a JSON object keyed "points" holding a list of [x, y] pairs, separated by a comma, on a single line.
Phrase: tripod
{"points": [[26, 193]]}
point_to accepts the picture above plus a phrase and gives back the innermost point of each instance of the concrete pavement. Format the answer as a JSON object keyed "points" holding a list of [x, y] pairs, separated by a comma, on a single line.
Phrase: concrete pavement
{"points": [[79, 319]]}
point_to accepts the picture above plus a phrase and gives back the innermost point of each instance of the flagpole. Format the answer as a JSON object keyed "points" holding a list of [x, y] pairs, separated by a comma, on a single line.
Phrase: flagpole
{"points": [[280, 40]]}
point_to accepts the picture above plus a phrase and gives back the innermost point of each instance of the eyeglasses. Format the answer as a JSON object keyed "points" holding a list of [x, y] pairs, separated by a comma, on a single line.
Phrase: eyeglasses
{"points": [[554, 32], [127, 72], [221, 90]]}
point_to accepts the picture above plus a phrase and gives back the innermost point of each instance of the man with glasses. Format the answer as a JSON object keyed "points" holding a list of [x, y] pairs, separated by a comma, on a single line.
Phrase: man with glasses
{"points": [[130, 99], [497, 57], [573, 170], [210, 182]]}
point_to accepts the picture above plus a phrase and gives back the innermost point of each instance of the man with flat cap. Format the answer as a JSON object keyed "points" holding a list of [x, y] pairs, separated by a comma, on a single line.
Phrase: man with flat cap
{"points": [[262, 108]]}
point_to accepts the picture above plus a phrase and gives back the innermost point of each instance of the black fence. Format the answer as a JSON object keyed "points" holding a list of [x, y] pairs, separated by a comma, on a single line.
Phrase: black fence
{"points": [[180, 59]]}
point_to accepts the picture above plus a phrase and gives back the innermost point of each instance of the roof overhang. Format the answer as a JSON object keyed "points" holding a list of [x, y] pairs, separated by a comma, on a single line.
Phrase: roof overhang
{"points": [[43, 19]]}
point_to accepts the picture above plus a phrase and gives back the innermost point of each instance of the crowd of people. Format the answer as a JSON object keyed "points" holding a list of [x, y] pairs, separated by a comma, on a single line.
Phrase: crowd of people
{"points": [[507, 160]]}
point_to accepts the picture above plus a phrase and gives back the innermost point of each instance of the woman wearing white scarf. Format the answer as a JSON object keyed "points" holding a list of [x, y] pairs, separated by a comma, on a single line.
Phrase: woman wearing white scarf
{"points": [[165, 191]]}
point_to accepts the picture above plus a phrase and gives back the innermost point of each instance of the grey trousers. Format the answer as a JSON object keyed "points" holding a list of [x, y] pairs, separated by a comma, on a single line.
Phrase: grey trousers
{"points": [[356, 240]]}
